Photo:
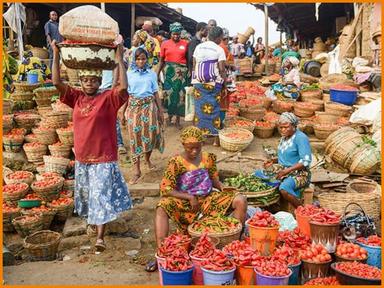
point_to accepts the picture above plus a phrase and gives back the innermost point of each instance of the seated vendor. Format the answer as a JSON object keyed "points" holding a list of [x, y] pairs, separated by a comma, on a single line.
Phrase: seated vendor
{"points": [[293, 160], [32, 64], [188, 190]]}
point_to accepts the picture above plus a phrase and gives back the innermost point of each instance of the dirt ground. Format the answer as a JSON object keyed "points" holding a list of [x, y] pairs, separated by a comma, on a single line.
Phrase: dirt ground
{"points": [[122, 262]]}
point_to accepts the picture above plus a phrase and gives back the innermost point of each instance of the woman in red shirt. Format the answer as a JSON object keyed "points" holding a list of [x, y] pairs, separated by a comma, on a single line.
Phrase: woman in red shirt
{"points": [[100, 190], [173, 58]]}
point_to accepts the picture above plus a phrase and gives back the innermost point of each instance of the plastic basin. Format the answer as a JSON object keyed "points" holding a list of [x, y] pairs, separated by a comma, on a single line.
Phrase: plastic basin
{"points": [[219, 278], [29, 203], [294, 278], [176, 277], [343, 97], [374, 254], [32, 78], [346, 279], [264, 280]]}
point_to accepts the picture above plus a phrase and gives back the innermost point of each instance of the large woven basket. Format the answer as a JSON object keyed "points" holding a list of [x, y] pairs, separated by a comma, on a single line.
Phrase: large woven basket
{"points": [[252, 113], [303, 111], [46, 92], [235, 145], [25, 87], [322, 132], [7, 220], [365, 160], [35, 154], [337, 109], [325, 118], [63, 212], [65, 136], [7, 106], [13, 144], [263, 198], [47, 137], [27, 120], [42, 245], [225, 238], [22, 96], [15, 196], [29, 227], [44, 110], [49, 193], [60, 151], [317, 104], [55, 164], [230, 123], [56, 119], [277, 106], [46, 215], [30, 138], [28, 180], [264, 132], [311, 94]]}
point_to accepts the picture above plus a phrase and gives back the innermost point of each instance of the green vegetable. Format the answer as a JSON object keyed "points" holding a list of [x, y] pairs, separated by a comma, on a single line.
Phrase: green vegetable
{"points": [[245, 183]]}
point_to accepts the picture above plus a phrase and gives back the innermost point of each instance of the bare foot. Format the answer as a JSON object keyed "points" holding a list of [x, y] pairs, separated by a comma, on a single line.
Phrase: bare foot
{"points": [[135, 179], [151, 166]]}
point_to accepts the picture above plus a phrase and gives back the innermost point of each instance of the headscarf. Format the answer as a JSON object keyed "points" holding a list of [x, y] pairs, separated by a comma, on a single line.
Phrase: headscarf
{"points": [[191, 134], [133, 66], [176, 27], [288, 117], [143, 35], [294, 61], [94, 72]]}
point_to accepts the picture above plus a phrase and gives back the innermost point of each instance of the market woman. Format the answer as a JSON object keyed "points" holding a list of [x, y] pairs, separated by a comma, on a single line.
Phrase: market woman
{"points": [[173, 59], [208, 80], [143, 112], [191, 187], [100, 190], [293, 160]]}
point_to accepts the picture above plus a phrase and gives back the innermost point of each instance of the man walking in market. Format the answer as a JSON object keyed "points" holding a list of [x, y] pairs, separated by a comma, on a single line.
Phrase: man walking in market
{"points": [[51, 29], [201, 32]]}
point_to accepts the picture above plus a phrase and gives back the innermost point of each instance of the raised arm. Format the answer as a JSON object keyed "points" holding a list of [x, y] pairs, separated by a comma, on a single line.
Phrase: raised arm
{"points": [[56, 80], [123, 82]]}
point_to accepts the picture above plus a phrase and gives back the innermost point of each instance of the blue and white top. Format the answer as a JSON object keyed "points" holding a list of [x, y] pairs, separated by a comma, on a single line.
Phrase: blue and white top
{"points": [[295, 149], [142, 83]]}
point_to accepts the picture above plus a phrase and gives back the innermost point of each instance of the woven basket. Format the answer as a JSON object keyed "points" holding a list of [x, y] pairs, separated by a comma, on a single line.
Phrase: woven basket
{"points": [[55, 164], [365, 160], [325, 118], [7, 107], [7, 220], [43, 102], [66, 137], [229, 123], [322, 132], [46, 92], [225, 238], [7, 123], [23, 105], [56, 119], [278, 108], [234, 145], [46, 215], [47, 137], [16, 196], [22, 96], [35, 154], [317, 104], [267, 102], [264, 132], [28, 180], [263, 198], [44, 110], [63, 212], [30, 138], [259, 68], [27, 228], [312, 94], [27, 122], [60, 151], [13, 144], [42, 245], [69, 184], [49, 193], [63, 108], [338, 109], [25, 87], [302, 111], [338, 201], [252, 113]]}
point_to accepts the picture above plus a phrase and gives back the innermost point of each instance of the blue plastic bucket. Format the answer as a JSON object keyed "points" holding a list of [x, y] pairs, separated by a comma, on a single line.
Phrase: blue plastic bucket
{"points": [[374, 254], [218, 278], [177, 277], [294, 278], [343, 97], [32, 78], [263, 280]]}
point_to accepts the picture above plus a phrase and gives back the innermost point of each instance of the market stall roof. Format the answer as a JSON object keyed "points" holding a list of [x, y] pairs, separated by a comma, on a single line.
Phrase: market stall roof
{"points": [[302, 17]]}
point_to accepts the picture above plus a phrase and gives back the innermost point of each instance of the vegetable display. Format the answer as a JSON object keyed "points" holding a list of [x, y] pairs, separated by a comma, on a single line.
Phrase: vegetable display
{"points": [[240, 135], [62, 202], [218, 224], [323, 281], [169, 243], [327, 216], [14, 188], [287, 255], [218, 262], [351, 251], [263, 219], [246, 183], [372, 240], [204, 247], [46, 182], [19, 175], [359, 269], [243, 254], [178, 260], [273, 268], [307, 210], [316, 254], [294, 239]]}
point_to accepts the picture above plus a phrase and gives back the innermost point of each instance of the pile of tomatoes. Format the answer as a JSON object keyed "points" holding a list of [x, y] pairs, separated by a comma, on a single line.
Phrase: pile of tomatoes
{"points": [[9, 208], [243, 254], [326, 216], [250, 102], [372, 240], [17, 131], [359, 269], [40, 209], [46, 182], [264, 124], [351, 251], [322, 281], [62, 202], [34, 145], [343, 87], [294, 239], [307, 210], [237, 135], [66, 129], [171, 242], [218, 262], [204, 247], [15, 188], [316, 254], [241, 123], [287, 255], [31, 196], [263, 219], [66, 193], [273, 268], [19, 175], [178, 260]]}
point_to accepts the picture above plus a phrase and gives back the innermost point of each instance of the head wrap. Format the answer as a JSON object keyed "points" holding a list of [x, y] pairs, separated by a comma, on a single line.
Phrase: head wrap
{"points": [[288, 117], [191, 134], [294, 61], [86, 72], [133, 63], [175, 27], [142, 34]]}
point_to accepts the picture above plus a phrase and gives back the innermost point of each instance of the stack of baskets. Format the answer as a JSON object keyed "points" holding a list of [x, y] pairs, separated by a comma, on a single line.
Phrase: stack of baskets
{"points": [[282, 106], [13, 142], [46, 136], [48, 190], [26, 120], [60, 150], [304, 109], [66, 135], [35, 151], [44, 96], [235, 139], [22, 97]]}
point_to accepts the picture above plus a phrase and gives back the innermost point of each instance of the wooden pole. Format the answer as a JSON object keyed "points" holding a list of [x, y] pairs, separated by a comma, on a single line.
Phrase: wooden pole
{"points": [[102, 6], [266, 39], [133, 19]]}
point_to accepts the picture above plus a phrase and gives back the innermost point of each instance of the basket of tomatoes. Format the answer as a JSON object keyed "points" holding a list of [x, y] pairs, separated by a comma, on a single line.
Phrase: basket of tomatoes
{"points": [[26, 225], [14, 192], [48, 189], [47, 214], [234, 140], [55, 164], [280, 106], [59, 150], [45, 135], [304, 109], [30, 138], [35, 151], [349, 252], [240, 122], [356, 273], [19, 177], [7, 123], [26, 120], [316, 262], [13, 140], [264, 129], [322, 131], [10, 212], [66, 135], [64, 208]]}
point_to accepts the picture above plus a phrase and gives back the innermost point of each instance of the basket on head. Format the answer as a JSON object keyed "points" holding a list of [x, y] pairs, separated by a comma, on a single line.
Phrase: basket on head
{"points": [[45, 136], [25, 87], [35, 151], [60, 150], [55, 164], [235, 139], [26, 225], [42, 245], [49, 192], [13, 143]]}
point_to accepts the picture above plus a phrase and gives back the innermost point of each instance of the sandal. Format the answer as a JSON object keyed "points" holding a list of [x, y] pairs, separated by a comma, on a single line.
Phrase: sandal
{"points": [[100, 245], [151, 266]]}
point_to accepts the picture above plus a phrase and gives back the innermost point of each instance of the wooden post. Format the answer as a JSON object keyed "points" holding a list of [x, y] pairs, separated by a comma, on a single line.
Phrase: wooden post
{"points": [[102, 6], [133, 19], [266, 39]]}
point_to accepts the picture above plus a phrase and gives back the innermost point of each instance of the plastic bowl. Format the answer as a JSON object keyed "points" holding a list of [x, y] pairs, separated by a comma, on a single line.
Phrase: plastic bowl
{"points": [[343, 259], [346, 279], [29, 203]]}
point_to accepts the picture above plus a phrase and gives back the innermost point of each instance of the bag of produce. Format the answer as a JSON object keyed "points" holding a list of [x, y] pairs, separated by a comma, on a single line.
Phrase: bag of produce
{"points": [[88, 24]]}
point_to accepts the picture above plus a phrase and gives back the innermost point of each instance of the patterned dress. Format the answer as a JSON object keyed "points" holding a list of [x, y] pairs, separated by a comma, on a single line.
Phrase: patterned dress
{"points": [[183, 176], [174, 88]]}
